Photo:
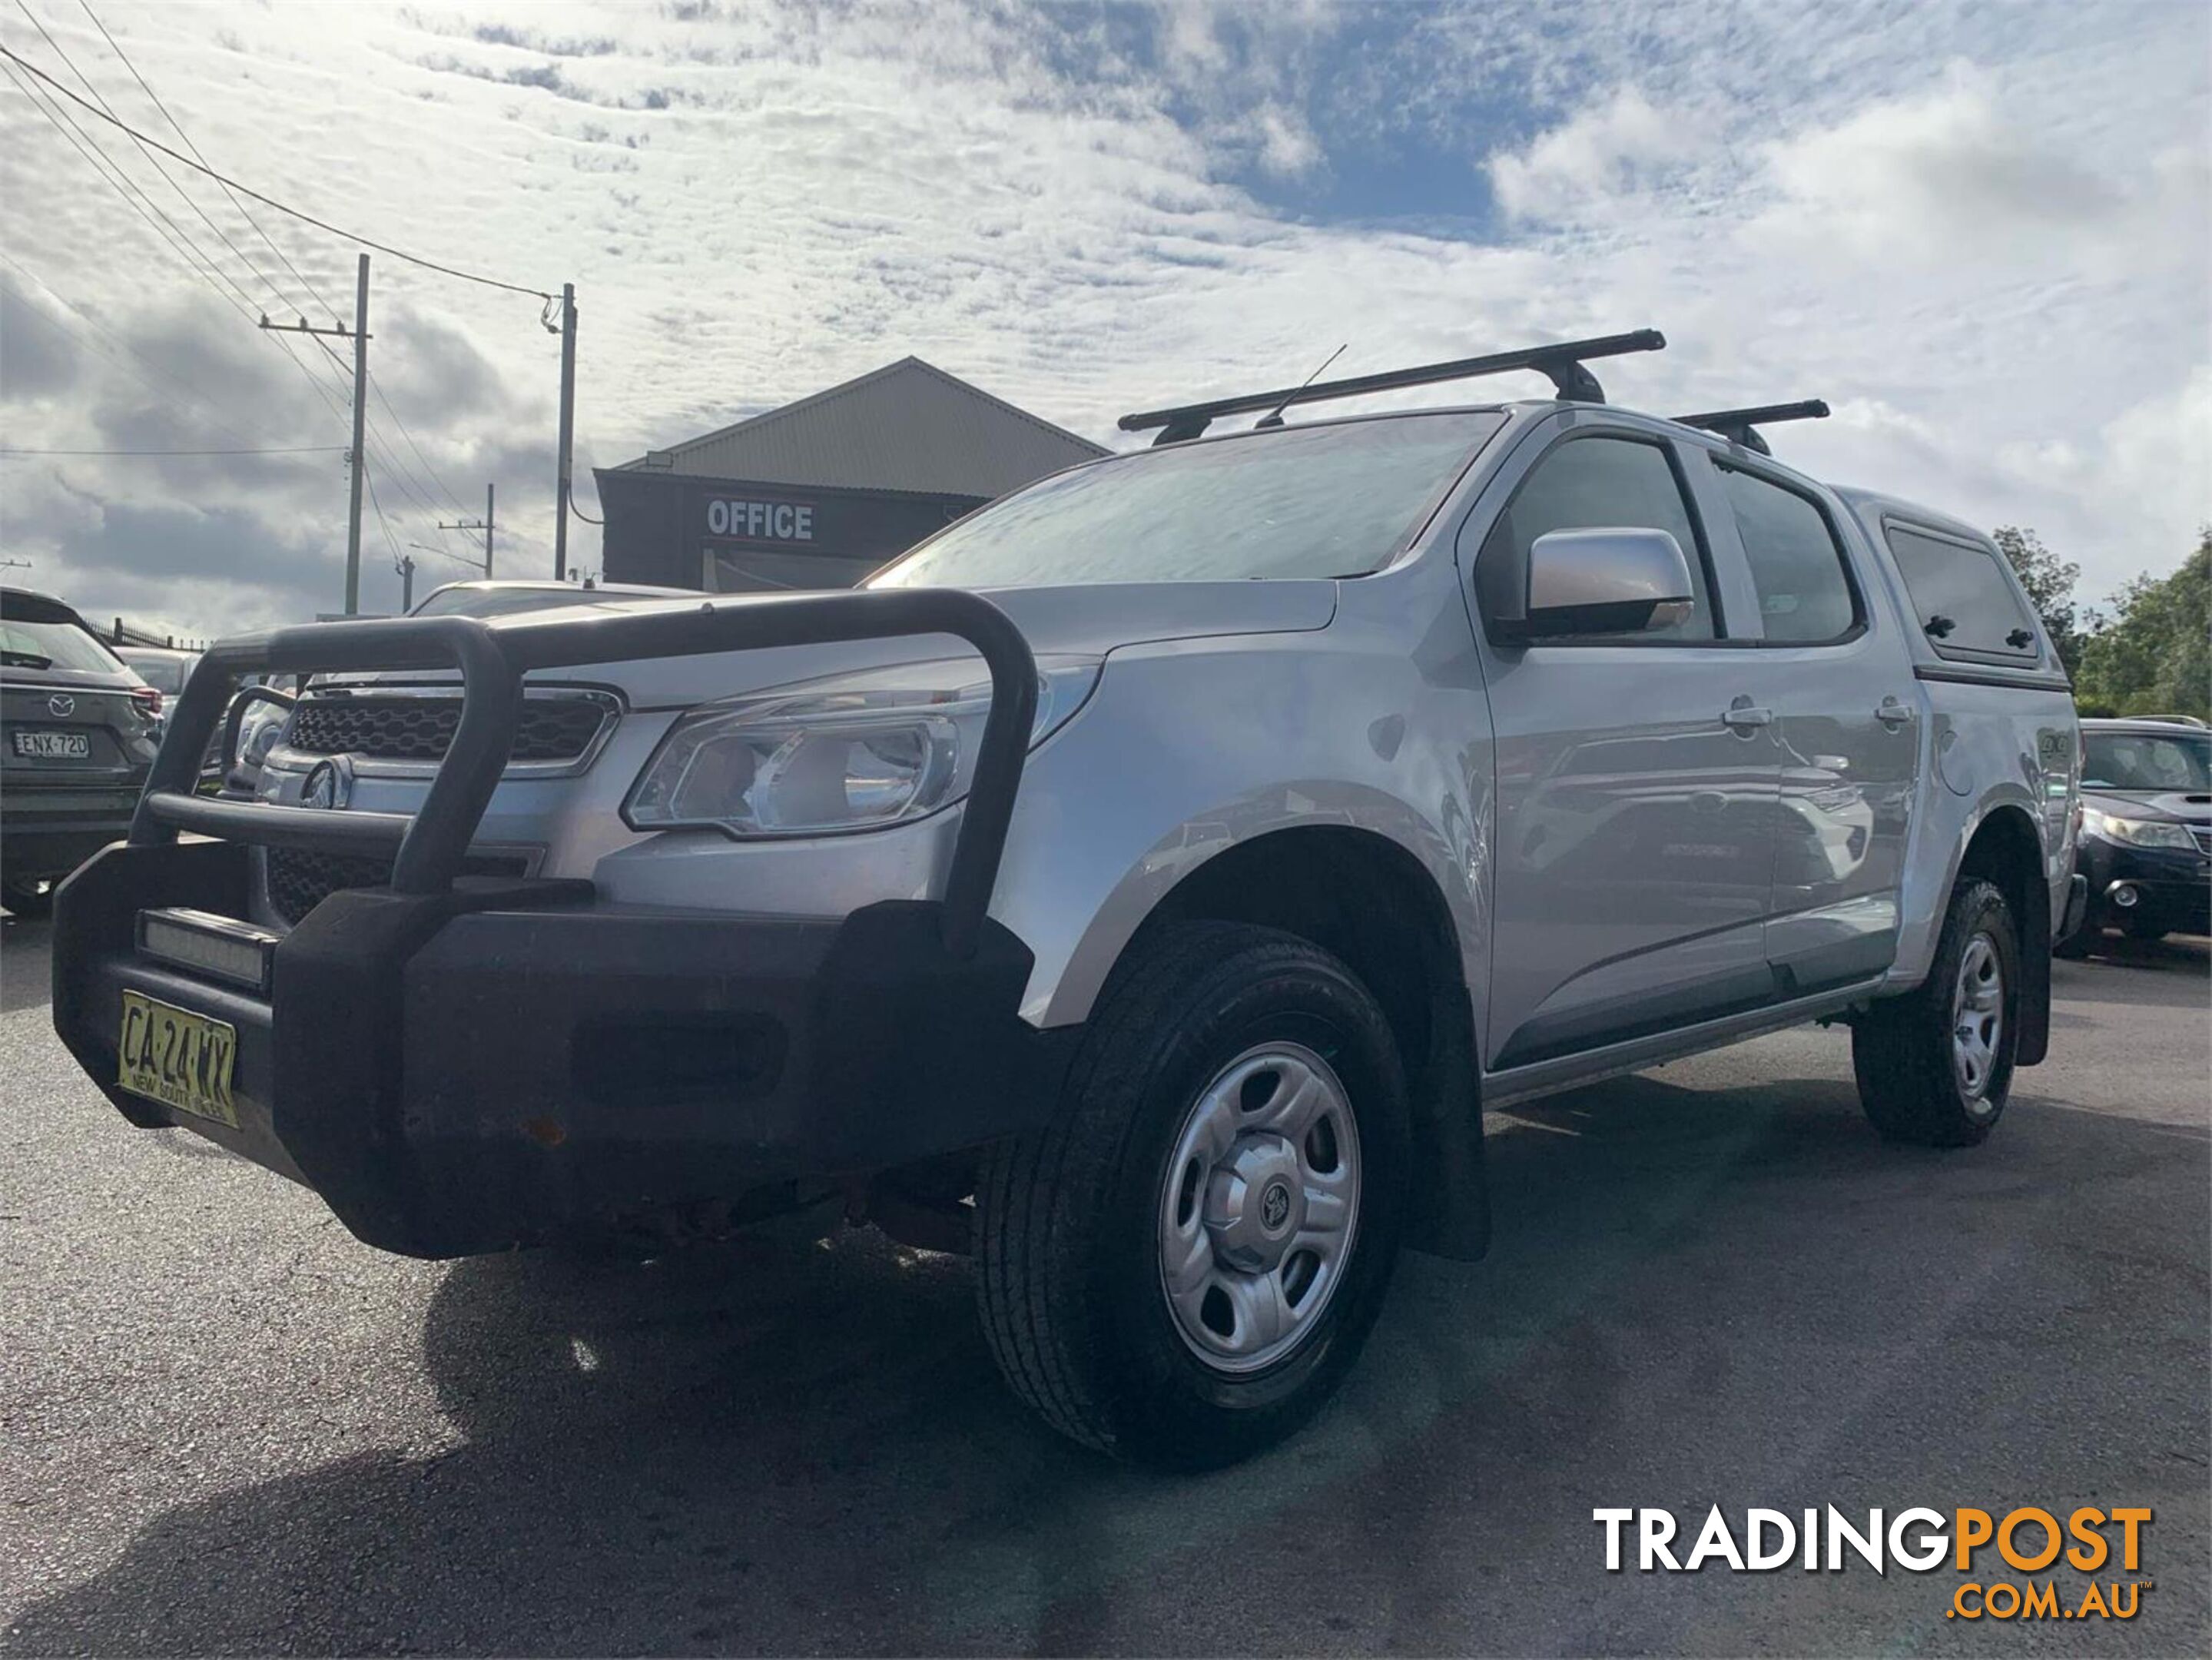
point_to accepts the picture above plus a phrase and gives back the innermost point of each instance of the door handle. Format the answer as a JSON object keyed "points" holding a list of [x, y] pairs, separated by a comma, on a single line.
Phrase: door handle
{"points": [[1892, 714], [1747, 717]]}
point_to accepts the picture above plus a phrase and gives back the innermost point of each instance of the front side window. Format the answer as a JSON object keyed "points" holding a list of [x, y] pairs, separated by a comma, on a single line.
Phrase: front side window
{"points": [[1961, 599], [1594, 484], [1796, 563], [1325, 501]]}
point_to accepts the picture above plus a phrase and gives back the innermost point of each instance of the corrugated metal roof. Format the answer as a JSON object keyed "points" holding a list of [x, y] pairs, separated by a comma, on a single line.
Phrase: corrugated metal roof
{"points": [[907, 425]]}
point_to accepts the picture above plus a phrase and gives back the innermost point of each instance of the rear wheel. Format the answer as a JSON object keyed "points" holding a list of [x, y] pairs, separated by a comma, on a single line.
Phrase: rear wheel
{"points": [[1935, 1065], [1181, 1267]]}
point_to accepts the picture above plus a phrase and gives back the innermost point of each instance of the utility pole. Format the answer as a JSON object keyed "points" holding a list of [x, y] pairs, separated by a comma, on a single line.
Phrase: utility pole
{"points": [[406, 570], [361, 337], [482, 523], [360, 437], [567, 429]]}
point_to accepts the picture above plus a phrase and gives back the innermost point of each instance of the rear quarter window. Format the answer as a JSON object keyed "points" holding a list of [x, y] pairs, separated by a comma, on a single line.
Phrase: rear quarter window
{"points": [[1961, 598]]}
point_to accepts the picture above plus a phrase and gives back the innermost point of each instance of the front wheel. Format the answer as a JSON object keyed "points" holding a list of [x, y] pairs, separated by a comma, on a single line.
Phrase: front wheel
{"points": [[1935, 1065], [1181, 1267]]}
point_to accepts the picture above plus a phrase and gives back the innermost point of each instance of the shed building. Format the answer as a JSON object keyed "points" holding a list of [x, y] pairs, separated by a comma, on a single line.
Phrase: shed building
{"points": [[819, 493]]}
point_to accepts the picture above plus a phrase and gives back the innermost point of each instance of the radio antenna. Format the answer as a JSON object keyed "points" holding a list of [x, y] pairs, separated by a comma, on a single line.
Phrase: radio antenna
{"points": [[1273, 417]]}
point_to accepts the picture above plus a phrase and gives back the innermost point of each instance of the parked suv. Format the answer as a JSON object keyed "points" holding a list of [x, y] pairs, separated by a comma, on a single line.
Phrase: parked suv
{"points": [[77, 733], [1145, 882], [2146, 845]]}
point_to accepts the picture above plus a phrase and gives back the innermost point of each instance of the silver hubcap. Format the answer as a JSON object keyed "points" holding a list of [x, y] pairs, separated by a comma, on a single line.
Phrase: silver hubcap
{"points": [[1977, 1019], [1259, 1206]]}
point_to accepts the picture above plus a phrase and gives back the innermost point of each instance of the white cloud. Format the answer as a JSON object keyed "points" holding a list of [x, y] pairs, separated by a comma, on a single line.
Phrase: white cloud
{"points": [[1955, 171], [1609, 150]]}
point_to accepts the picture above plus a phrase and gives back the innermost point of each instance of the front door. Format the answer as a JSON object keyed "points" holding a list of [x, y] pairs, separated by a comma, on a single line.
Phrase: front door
{"points": [[1637, 784]]}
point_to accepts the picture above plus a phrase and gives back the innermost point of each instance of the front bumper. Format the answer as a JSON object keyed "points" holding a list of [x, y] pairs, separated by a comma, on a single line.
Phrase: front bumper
{"points": [[2173, 887], [511, 1062]]}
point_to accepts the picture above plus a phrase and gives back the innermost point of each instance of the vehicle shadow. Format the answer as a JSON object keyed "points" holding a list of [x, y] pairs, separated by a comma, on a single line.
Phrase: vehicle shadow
{"points": [[1735, 1295]]}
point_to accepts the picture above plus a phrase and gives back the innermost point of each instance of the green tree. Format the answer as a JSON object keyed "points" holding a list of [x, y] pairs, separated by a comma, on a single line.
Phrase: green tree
{"points": [[2154, 656], [2050, 582]]}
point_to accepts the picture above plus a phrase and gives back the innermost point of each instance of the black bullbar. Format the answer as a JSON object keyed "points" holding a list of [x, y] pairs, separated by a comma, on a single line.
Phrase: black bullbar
{"points": [[458, 1064]]}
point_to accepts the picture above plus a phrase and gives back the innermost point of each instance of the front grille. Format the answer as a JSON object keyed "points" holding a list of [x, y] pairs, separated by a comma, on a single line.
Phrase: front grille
{"points": [[554, 729], [300, 880]]}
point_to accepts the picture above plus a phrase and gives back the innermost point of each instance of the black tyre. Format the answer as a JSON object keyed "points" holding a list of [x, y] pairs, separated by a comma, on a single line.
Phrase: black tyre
{"points": [[1181, 1267], [1934, 1067], [2077, 944], [28, 900]]}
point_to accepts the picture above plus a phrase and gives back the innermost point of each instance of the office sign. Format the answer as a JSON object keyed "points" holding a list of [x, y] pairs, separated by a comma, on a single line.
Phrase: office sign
{"points": [[755, 520]]}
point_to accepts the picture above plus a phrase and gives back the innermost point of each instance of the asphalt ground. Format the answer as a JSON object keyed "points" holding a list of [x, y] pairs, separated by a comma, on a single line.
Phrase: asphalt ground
{"points": [[227, 1427]]}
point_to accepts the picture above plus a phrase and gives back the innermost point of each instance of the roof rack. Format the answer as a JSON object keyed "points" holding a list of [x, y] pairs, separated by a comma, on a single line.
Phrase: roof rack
{"points": [[1562, 362], [1737, 425]]}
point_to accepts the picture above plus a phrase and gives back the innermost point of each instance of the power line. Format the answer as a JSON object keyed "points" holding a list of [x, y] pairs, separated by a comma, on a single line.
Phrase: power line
{"points": [[413, 445], [408, 482], [287, 449], [180, 240], [270, 201], [162, 173], [122, 183], [200, 156]]}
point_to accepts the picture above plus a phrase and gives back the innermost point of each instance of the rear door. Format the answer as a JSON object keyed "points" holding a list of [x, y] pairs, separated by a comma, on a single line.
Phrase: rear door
{"points": [[1846, 709], [1635, 775]]}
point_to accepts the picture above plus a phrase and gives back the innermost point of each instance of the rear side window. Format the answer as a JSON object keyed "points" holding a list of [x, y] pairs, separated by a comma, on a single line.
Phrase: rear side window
{"points": [[1592, 483], [1964, 604], [1797, 564]]}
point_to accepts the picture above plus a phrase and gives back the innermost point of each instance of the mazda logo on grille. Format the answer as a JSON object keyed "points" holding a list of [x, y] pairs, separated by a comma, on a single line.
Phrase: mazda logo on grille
{"points": [[330, 784], [61, 706]]}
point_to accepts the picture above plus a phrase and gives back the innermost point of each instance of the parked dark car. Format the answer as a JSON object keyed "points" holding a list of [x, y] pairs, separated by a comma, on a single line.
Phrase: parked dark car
{"points": [[2146, 841], [77, 731]]}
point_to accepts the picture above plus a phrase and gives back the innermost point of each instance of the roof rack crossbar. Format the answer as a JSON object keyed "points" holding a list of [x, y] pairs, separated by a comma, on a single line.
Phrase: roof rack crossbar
{"points": [[1563, 362], [1739, 426]]}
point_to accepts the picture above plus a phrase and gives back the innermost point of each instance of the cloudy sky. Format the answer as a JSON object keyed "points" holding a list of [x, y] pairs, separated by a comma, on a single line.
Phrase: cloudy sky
{"points": [[1981, 232]]}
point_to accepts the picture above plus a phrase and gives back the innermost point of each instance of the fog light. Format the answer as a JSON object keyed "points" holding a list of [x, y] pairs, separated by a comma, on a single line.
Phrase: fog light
{"points": [[217, 946], [2125, 897]]}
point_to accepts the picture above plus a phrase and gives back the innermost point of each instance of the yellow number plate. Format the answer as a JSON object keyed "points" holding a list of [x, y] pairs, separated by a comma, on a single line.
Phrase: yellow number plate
{"points": [[180, 1058]]}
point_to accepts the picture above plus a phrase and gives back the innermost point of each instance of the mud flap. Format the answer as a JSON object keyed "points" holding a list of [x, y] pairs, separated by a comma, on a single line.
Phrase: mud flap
{"points": [[2034, 977], [1451, 1186]]}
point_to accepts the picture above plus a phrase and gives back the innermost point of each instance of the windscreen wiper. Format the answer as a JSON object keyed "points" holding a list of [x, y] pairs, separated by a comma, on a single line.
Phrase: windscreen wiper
{"points": [[25, 659]]}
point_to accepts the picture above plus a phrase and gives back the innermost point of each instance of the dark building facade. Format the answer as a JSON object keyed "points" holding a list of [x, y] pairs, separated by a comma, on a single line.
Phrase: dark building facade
{"points": [[819, 493]]}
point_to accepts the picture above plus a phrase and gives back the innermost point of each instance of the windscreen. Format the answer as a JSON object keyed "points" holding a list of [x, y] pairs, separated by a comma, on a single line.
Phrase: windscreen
{"points": [[2151, 762], [1329, 501], [164, 674], [53, 646], [499, 602]]}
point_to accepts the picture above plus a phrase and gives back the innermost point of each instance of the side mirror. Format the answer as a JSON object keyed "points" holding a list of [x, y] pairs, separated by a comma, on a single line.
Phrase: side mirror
{"points": [[1609, 581]]}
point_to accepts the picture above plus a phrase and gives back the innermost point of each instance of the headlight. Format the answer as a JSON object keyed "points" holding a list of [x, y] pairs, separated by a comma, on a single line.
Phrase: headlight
{"points": [[859, 751], [257, 732], [2136, 832]]}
